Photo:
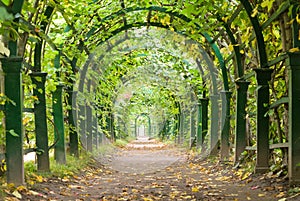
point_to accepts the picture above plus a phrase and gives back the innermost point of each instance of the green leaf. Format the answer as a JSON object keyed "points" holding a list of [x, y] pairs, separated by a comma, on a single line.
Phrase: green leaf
{"points": [[39, 151], [267, 3], [7, 2], [4, 15], [13, 133], [39, 79], [3, 49]]}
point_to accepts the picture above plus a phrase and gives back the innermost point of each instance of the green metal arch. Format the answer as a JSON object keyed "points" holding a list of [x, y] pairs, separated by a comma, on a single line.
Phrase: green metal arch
{"points": [[177, 103], [149, 123], [176, 14], [129, 26], [258, 32], [205, 57], [236, 48]]}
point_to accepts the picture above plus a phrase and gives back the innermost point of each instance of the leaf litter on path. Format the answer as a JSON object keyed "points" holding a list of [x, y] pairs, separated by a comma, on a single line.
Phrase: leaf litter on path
{"points": [[166, 174]]}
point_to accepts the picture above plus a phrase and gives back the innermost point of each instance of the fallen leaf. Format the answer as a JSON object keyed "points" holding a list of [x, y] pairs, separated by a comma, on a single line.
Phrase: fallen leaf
{"points": [[17, 194], [195, 189], [280, 195]]}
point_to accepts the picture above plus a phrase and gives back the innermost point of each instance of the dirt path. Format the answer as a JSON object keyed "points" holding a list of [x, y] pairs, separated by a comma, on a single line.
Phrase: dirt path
{"points": [[152, 171]]}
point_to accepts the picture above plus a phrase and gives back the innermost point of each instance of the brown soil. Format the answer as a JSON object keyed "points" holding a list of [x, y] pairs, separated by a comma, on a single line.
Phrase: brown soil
{"points": [[160, 173]]}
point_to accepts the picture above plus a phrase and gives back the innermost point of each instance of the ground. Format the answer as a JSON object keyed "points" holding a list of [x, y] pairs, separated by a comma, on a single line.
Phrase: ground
{"points": [[153, 171]]}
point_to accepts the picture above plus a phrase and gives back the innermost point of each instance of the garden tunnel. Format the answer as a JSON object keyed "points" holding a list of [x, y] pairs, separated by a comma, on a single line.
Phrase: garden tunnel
{"points": [[150, 91], [254, 44], [148, 43]]}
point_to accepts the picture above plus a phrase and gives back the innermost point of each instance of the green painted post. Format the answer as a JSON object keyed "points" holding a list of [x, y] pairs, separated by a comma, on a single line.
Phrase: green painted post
{"points": [[13, 119], [100, 137], [176, 129], [95, 132], [240, 120], [60, 147], [40, 116], [82, 125], [263, 76], [72, 118], [89, 128], [181, 128], [225, 144], [135, 127], [202, 121], [293, 63], [199, 125], [149, 126], [192, 128], [110, 128], [214, 125]]}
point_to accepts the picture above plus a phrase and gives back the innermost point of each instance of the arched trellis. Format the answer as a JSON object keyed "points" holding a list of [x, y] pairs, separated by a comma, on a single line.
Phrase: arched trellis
{"points": [[214, 96], [177, 116], [127, 80], [260, 76], [226, 95], [205, 57], [136, 122], [146, 24], [293, 95]]}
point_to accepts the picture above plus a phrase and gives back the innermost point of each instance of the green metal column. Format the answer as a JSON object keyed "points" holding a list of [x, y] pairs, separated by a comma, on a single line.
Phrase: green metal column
{"points": [[240, 120], [13, 119], [202, 121], [214, 125], [40, 116], [225, 144], [192, 128], [179, 124], [149, 126], [135, 127], [263, 76], [60, 147], [89, 128], [181, 134], [110, 127], [200, 139], [95, 131], [293, 64], [100, 137], [72, 118], [176, 127], [82, 125]]}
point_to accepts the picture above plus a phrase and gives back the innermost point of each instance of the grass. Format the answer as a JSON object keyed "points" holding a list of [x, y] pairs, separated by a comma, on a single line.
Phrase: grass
{"points": [[120, 143], [72, 167], [32, 176]]}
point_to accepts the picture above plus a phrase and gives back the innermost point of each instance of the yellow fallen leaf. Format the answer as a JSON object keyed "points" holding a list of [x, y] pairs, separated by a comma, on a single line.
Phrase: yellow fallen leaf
{"points": [[280, 195], [195, 189], [17, 194], [21, 188], [147, 199], [261, 195], [135, 190], [186, 197]]}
